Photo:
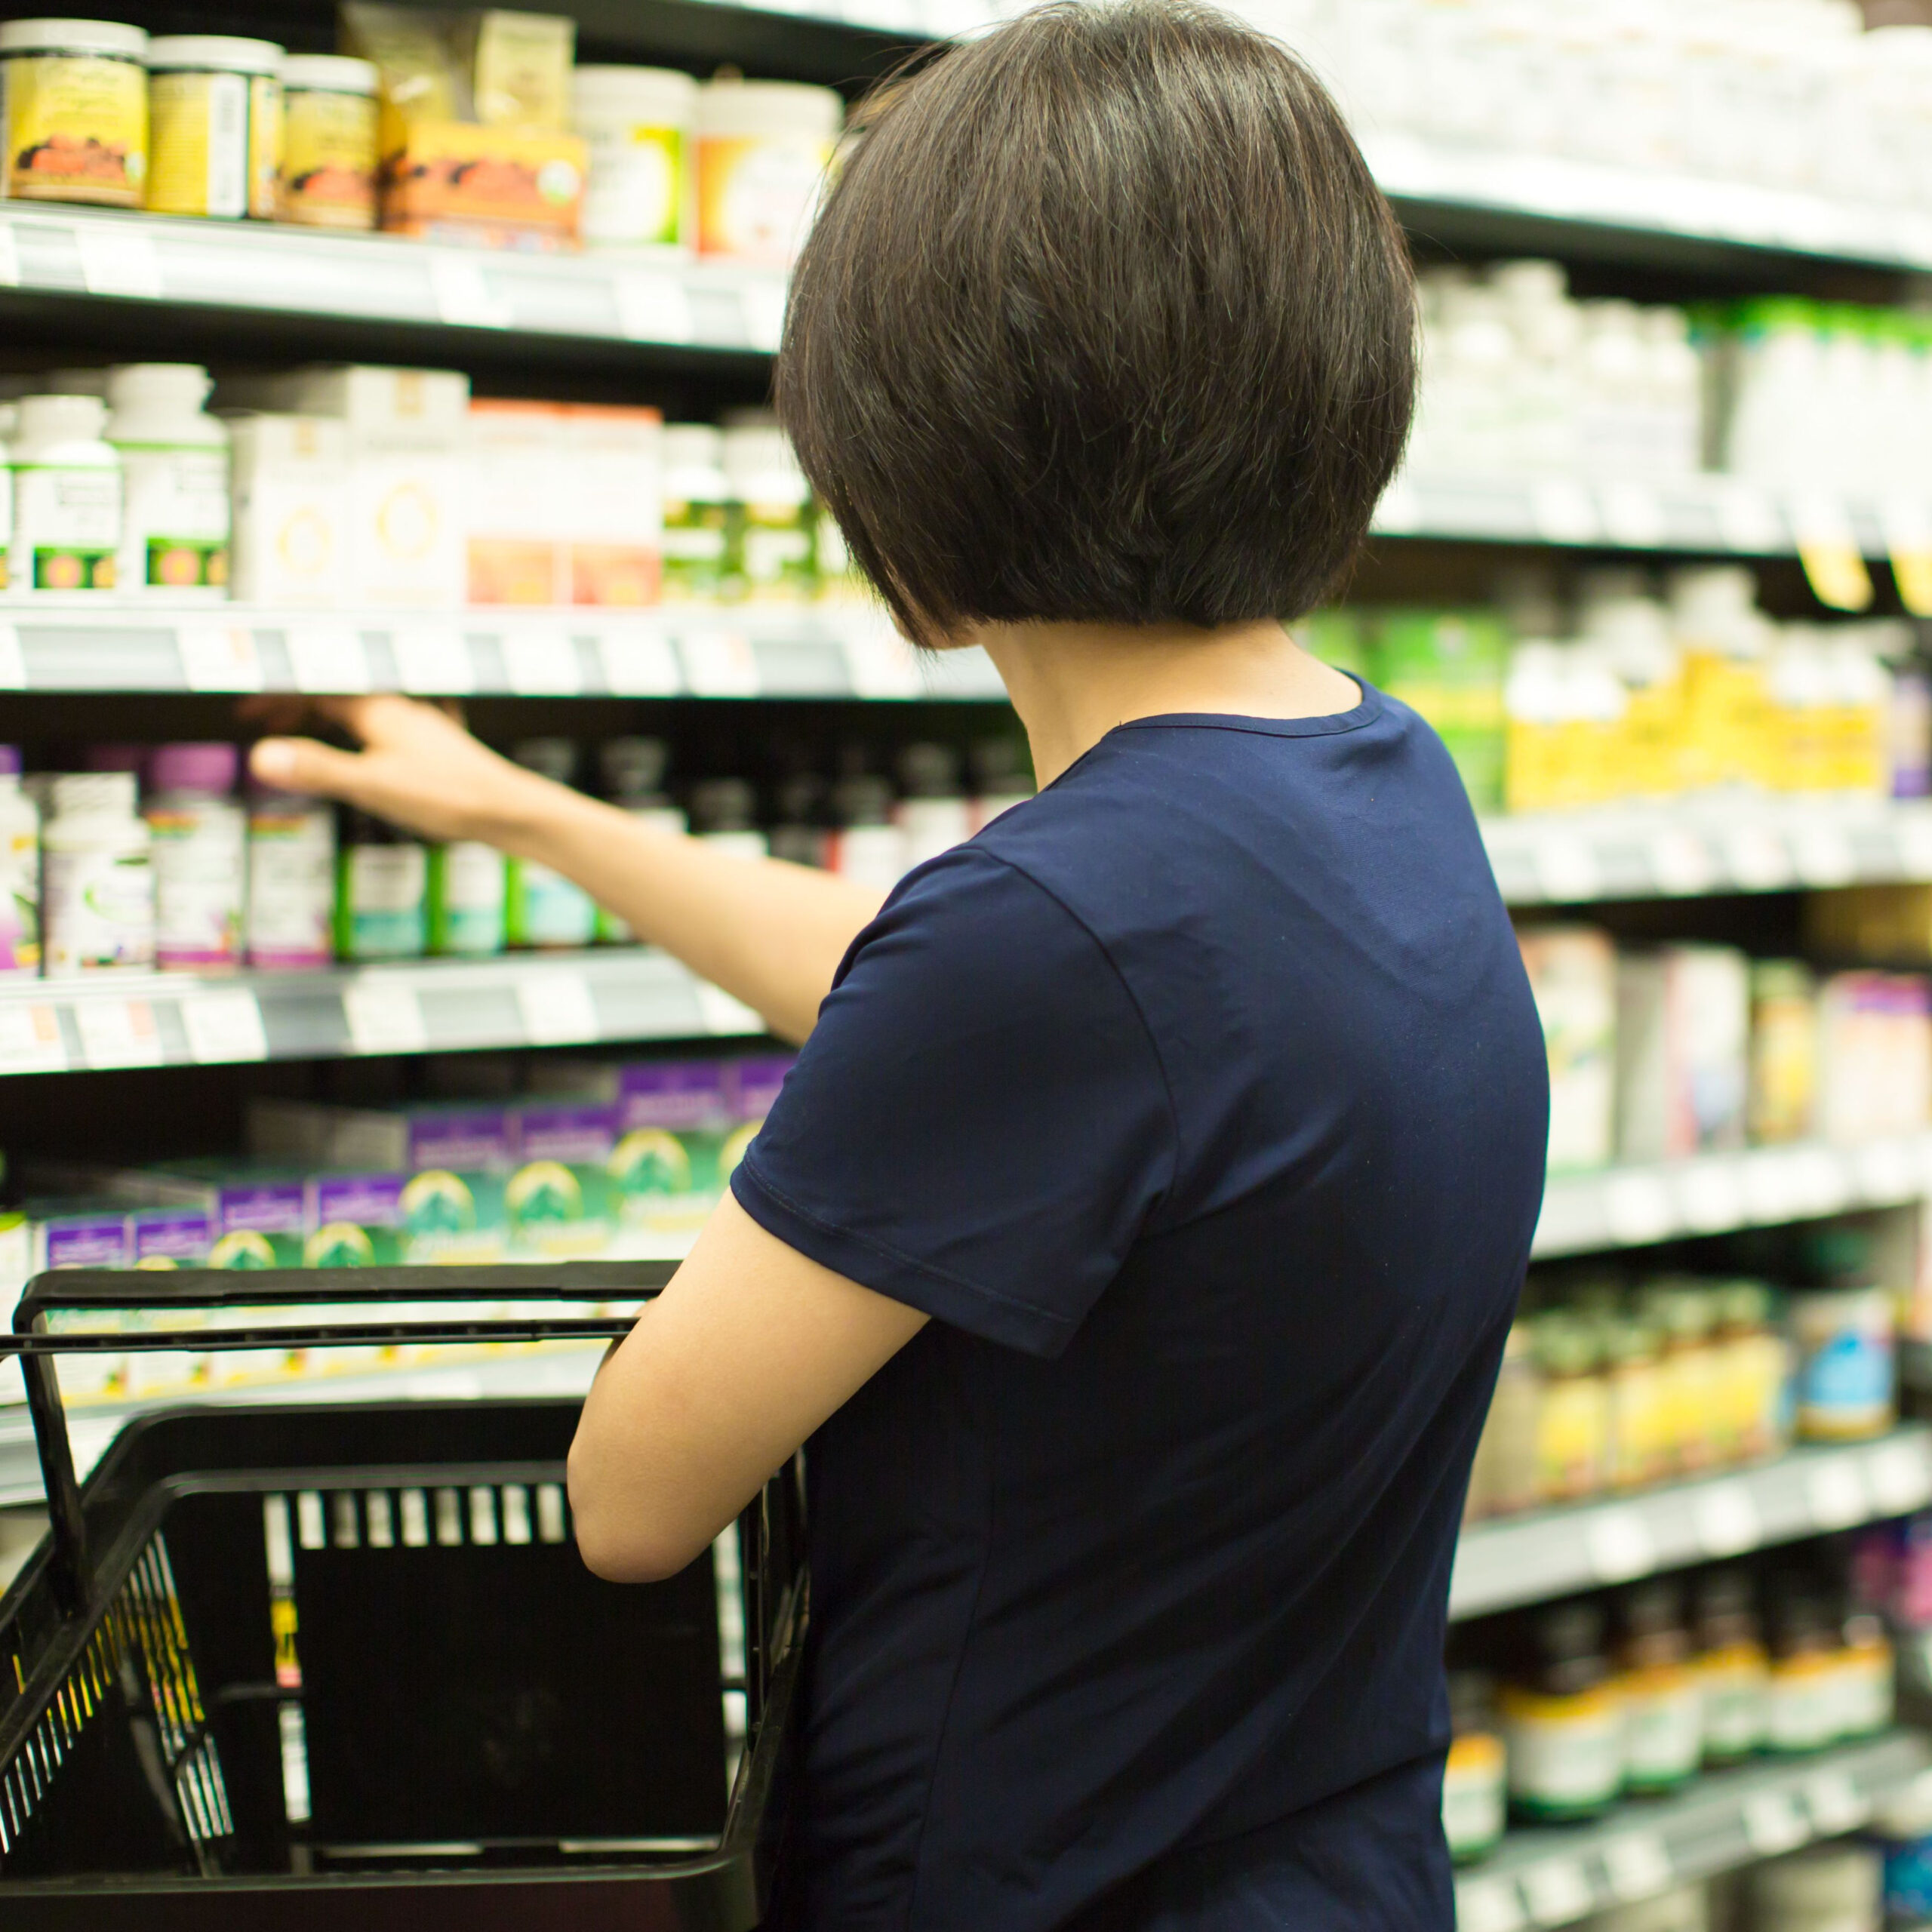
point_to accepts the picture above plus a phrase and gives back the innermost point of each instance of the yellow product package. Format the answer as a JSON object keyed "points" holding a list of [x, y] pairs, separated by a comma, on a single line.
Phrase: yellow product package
{"points": [[328, 141], [215, 109], [76, 114]]}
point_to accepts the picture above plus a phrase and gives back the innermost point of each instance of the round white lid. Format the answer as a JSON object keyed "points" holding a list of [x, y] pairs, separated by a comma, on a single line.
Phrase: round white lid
{"points": [[769, 107], [329, 73], [634, 89], [62, 36], [218, 53]]}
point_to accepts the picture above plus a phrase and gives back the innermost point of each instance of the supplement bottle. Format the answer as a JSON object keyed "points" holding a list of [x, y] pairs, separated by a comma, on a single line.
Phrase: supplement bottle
{"points": [[799, 833], [214, 110], [1903, 1825], [1474, 1783], [66, 497], [636, 122], [468, 891], [763, 147], [632, 770], [933, 815], [200, 858], [291, 882], [1784, 1051], [1824, 1888], [1663, 1731], [541, 908], [776, 559], [98, 876], [174, 527], [1572, 1424], [1507, 1457], [1846, 1380], [1562, 1723], [1631, 1353], [1733, 1670], [1802, 1705], [724, 815], [19, 869], [1756, 1368], [329, 111], [1867, 1689], [699, 517], [866, 845], [382, 877], [75, 117]]}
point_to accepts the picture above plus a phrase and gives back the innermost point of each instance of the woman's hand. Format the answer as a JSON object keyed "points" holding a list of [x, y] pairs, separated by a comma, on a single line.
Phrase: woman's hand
{"points": [[418, 768]]}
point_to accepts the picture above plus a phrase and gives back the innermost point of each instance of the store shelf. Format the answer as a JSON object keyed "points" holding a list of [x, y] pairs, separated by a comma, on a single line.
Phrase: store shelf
{"points": [[1690, 848], [123, 1019], [1555, 1876], [845, 650], [1518, 1559], [1631, 1207], [1702, 514]]}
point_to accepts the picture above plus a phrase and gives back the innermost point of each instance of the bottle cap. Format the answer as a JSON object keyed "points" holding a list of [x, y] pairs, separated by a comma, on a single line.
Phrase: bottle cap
{"points": [[208, 768], [330, 73], [81, 792], [549, 758]]}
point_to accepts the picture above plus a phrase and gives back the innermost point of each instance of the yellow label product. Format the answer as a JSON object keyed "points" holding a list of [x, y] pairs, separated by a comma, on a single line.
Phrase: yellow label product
{"points": [[763, 148], [1565, 1753], [328, 158], [215, 107], [76, 112], [1735, 1679]]}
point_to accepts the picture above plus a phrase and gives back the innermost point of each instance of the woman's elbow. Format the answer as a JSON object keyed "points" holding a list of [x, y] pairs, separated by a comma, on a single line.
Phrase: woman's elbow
{"points": [[620, 1536]]}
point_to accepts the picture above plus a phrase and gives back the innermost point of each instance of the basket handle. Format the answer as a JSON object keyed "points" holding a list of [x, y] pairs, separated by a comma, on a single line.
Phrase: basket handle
{"points": [[72, 1574]]}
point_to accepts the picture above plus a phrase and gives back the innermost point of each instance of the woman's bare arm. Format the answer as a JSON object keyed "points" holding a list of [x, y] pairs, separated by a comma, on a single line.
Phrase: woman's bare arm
{"points": [[770, 933]]}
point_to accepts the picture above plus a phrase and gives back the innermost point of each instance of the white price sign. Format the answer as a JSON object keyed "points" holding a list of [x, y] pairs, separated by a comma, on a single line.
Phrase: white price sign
{"points": [[764, 302], [1618, 1544], [1823, 855], [1900, 1478], [722, 1014], [328, 658], [1637, 1209], [1567, 867], [1726, 1517], [224, 1026], [1637, 1865], [432, 660], [462, 294], [1633, 516], [219, 657], [1561, 510], [639, 664], [117, 1032], [653, 308], [879, 661], [1834, 1487], [1487, 1905], [1557, 1891], [556, 1008], [117, 259], [13, 660], [719, 664], [30, 1040], [1772, 1824], [541, 661], [384, 1016], [1681, 863], [1749, 520], [1835, 1804]]}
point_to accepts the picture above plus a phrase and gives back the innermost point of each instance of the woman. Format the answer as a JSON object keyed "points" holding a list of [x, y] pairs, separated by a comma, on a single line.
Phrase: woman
{"points": [[1135, 1239]]}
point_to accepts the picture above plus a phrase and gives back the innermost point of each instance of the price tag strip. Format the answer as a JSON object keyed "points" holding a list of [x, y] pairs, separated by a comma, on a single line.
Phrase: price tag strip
{"points": [[432, 660], [384, 1016], [541, 662], [556, 1008], [328, 658], [1618, 1544], [30, 1040], [719, 663], [117, 1032], [1637, 1865], [1557, 1891], [639, 664], [224, 1026], [219, 657], [722, 1013], [13, 659]]}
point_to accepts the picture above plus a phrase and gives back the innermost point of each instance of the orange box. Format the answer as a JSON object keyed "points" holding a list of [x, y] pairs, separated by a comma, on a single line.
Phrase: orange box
{"points": [[614, 520], [516, 186], [516, 481]]}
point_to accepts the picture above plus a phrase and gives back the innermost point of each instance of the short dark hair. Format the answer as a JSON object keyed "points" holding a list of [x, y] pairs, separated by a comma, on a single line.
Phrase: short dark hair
{"points": [[1104, 319]]}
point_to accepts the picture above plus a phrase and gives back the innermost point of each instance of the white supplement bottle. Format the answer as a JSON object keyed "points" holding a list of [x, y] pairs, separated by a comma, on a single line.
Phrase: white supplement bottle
{"points": [[290, 915], [20, 870], [66, 498], [199, 839], [174, 524], [637, 122], [98, 866], [541, 908]]}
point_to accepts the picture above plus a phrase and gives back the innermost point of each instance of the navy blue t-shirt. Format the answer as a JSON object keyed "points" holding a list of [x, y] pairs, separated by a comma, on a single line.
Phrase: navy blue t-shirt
{"points": [[1201, 1102]]}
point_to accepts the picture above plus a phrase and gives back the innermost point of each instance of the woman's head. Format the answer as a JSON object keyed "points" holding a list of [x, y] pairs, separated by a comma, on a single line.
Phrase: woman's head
{"points": [[1104, 321]]}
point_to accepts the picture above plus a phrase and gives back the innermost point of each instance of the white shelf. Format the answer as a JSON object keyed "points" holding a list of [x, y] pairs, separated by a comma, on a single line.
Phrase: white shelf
{"points": [[1633, 1206], [844, 650], [1555, 1876], [527, 999], [1513, 1560]]}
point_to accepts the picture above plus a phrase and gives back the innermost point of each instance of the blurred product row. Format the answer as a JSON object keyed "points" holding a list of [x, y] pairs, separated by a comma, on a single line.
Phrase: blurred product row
{"points": [[149, 858], [1608, 1386], [580, 1159], [1638, 691], [1519, 379], [474, 127]]}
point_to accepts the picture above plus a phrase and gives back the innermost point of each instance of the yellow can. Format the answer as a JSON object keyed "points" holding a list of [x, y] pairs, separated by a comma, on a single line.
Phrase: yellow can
{"points": [[215, 104], [76, 111], [328, 155]]}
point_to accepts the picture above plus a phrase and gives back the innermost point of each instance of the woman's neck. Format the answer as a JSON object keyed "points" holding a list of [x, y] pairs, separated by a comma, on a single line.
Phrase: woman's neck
{"points": [[1071, 684]]}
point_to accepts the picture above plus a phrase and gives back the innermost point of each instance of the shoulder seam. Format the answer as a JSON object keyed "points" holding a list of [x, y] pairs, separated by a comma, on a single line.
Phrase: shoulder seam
{"points": [[1139, 1013]]}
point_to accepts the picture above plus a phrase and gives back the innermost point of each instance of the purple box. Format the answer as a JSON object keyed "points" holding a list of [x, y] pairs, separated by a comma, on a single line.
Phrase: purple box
{"points": [[368, 1201], [754, 1083], [674, 1093], [86, 1238], [463, 1139], [169, 1237], [582, 1131]]}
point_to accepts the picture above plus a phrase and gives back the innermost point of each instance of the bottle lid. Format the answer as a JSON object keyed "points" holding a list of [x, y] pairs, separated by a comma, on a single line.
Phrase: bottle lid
{"points": [[328, 73], [634, 91], [755, 109], [114, 38], [82, 792], [548, 758], [212, 53], [210, 768], [10, 761], [63, 418], [186, 385]]}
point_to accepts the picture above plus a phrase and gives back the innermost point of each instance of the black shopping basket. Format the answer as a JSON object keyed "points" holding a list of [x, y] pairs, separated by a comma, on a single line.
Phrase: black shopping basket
{"points": [[335, 1666]]}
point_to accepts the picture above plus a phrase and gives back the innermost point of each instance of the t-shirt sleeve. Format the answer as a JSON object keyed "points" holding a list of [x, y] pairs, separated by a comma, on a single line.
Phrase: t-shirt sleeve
{"points": [[979, 1125]]}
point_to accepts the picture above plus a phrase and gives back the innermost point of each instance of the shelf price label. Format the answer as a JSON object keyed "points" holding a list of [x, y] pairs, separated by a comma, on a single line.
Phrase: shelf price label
{"points": [[719, 664], [653, 308], [1561, 511], [1835, 1489], [1748, 520], [432, 660], [541, 661], [1619, 1545], [1725, 1515], [1637, 1865], [1772, 1824], [1557, 1891], [639, 664], [1681, 863], [1823, 855], [1487, 1905], [1633, 516], [1709, 1196], [763, 301], [384, 1016], [1835, 1804], [219, 657], [1567, 867], [720, 1013], [878, 661], [462, 293], [557, 1009], [328, 659], [13, 660], [117, 1032], [1757, 859], [117, 260], [1637, 1209], [30, 1040], [224, 1026], [1900, 1478]]}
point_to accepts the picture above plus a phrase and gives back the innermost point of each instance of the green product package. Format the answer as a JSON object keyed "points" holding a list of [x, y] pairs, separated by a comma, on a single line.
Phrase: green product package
{"points": [[1450, 666], [464, 897], [561, 1204]]}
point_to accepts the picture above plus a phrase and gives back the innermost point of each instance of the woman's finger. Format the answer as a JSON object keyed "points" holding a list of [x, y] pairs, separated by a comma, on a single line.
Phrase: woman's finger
{"points": [[301, 764]]}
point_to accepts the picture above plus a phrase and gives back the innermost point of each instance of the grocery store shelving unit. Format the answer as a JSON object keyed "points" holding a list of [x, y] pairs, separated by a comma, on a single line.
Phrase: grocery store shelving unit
{"points": [[1557, 1875]]}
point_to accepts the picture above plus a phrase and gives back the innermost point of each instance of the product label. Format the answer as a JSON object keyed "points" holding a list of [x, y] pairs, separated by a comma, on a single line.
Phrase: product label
{"points": [[358, 1220], [66, 529], [777, 549], [169, 1237], [20, 900], [467, 892], [100, 910], [1473, 1796], [543, 908], [1802, 1708], [635, 196], [1572, 1436], [198, 859], [757, 195], [1566, 1754], [199, 125], [1844, 1386], [329, 167], [1735, 1681], [77, 128], [174, 531], [94, 1240], [291, 889], [695, 539], [382, 913], [1663, 1728]]}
